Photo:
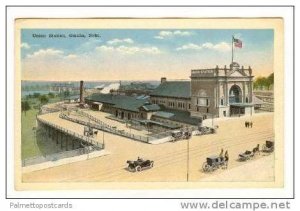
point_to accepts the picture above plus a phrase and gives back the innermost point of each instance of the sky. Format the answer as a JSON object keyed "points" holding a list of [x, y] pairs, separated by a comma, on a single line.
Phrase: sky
{"points": [[139, 54]]}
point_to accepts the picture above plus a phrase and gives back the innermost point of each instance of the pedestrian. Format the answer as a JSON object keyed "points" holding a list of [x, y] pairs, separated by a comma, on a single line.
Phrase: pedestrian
{"points": [[251, 124], [245, 124]]}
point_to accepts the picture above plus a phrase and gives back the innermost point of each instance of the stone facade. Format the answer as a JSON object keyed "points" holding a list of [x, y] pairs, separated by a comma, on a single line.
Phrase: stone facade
{"points": [[215, 92], [221, 92]]}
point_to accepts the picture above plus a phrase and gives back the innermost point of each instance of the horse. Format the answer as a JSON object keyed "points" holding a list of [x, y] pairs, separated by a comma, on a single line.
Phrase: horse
{"points": [[256, 150]]}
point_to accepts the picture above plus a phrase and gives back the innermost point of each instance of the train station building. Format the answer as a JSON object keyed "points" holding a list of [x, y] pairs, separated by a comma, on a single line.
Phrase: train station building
{"points": [[210, 93], [218, 92]]}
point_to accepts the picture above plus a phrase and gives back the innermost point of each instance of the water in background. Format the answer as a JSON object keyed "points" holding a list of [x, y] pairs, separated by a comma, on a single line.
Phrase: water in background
{"points": [[43, 87]]}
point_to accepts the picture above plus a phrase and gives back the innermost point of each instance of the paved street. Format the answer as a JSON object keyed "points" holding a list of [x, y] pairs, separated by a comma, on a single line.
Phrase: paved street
{"points": [[170, 159]]}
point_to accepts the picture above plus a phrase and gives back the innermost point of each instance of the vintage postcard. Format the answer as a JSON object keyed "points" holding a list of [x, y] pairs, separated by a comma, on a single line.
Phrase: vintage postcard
{"points": [[149, 103]]}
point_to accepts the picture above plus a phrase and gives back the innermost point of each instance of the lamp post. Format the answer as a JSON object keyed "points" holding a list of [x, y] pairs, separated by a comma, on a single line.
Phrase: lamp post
{"points": [[103, 140], [188, 155]]}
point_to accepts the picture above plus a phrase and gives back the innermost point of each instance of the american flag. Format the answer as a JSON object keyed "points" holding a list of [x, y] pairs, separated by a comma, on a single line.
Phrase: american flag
{"points": [[237, 43]]}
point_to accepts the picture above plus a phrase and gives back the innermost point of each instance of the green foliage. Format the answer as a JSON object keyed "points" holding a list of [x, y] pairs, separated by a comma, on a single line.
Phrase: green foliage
{"points": [[36, 95], [44, 99], [51, 95], [264, 82], [25, 106], [66, 93]]}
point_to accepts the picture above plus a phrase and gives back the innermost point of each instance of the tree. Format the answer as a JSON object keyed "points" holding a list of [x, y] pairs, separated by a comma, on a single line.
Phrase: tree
{"points": [[263, 82], [44, 99], [51, 95], [25, 106], [270, 80], [36, 95], [66, 93]]}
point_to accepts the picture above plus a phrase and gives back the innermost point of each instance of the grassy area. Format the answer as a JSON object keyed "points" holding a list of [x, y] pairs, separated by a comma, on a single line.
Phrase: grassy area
{"points": [[29, 143], [31, 147]]}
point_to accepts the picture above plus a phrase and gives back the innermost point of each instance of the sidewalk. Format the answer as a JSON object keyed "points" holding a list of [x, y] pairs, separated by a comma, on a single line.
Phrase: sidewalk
{"points": [[64, 161]]}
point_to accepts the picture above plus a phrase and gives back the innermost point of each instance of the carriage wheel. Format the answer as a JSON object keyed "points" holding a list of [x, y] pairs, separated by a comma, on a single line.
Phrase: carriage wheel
{"points": [[214, 166], [131, 169], [205, 167], [264, 148], [138, 168]]}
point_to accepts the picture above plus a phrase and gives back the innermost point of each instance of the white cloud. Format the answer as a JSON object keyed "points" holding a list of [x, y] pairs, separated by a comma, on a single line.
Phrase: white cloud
{"points": [[129, 50], [190, 46], [105, 48], [46, 53], [182, 33], [168, 34], [25, 45], [71, 56], [222, 46], [119, 41]]}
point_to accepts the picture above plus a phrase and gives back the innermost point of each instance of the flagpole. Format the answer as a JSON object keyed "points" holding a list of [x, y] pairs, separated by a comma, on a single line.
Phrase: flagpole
{"points": [[232, 50]]}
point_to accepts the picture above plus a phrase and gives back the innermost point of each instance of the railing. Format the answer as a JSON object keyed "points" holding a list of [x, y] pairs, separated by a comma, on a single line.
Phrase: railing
{"points": [[71, 133], [99, 125], [105, 127]]}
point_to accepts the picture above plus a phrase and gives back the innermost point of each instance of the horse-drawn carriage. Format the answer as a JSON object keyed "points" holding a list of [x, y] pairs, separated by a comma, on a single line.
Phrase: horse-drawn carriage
{"points": [[89, 131], [268, 146], [247, 155], [214, 162]]}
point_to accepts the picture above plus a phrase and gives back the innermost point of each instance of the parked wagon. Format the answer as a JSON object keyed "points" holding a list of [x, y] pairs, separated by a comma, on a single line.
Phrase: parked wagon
{"points": [[268, 146], [213, 163], [207, 130], [180, 134], [89, 131]]}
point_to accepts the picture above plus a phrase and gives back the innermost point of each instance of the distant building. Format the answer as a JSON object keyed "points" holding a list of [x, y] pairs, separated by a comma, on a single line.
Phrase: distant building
{"points": [[267, 98], [63, 87], [136, 88]]}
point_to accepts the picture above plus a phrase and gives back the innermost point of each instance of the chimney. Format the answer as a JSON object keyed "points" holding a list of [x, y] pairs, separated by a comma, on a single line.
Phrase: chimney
{"points": [[163, 80], [81, 93]]}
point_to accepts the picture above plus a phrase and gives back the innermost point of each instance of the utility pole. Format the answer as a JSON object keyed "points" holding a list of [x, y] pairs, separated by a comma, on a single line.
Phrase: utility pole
{"points": [[103, 140], [188, 160]]}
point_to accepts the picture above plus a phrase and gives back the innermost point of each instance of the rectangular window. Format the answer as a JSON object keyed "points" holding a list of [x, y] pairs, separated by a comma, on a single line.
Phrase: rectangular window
{"points": [[203, 101]]}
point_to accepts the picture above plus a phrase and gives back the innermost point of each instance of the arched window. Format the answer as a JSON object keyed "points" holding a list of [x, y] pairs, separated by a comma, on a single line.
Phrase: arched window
{"points": [[247, 100], [222, 101]]}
